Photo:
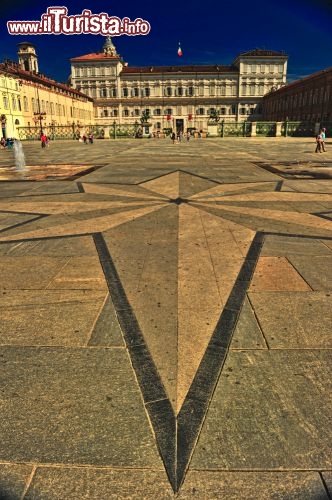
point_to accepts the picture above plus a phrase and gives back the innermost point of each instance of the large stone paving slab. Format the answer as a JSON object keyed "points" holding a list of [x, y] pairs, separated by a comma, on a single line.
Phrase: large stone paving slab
{"points": [[30, 272], [290, 246], [55, 247], [297, 320], [78, 406], [95, 484], [316, 270], [166, 323], [253, 485], [277, 273], [47, 318], [271, 410]]}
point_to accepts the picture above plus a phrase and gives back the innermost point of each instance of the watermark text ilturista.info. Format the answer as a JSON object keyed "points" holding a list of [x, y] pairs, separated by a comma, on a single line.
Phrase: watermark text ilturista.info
{"points": [[57, 22]]}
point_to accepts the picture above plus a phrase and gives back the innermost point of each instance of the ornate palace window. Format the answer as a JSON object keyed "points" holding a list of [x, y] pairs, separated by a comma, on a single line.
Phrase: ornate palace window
{"points": [[5, 101]]}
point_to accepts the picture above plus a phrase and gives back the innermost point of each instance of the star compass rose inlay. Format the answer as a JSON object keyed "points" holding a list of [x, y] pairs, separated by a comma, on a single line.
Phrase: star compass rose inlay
{"points": [[178, 253]]}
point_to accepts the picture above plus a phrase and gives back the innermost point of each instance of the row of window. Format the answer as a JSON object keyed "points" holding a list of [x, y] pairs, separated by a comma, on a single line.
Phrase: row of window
{"points": [[167, 91], [252, 89], [8, 83], [14, 103], [299, 117], [46, 107], [178, 91], [263, 68], [299, 100], [94, 71], [109, 70], [230, 110]]}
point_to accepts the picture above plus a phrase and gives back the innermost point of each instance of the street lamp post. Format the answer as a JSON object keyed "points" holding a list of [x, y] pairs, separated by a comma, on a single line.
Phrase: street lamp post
{"points": [[53, 125], [39, 117]]}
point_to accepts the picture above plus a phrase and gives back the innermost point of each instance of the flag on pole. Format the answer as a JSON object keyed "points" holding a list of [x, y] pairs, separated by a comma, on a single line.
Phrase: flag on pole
{"points": [[179, 50]]}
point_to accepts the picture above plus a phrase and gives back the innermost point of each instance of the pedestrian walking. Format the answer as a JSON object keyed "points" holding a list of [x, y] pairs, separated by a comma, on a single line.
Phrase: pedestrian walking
{"points": [[319, 143], [43, 139], [323, 136]]}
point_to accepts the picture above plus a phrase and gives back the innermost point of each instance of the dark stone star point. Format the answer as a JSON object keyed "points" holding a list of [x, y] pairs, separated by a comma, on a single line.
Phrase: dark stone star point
{"points": [[178, 201]]}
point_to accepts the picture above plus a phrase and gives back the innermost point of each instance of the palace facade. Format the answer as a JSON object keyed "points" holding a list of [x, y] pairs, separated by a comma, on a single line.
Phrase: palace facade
{"points": [[308, 99], [31, 101], [105, 91], [177, 97]]}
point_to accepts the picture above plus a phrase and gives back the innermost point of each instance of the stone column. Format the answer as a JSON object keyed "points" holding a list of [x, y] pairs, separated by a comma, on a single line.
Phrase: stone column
{"points": [[253, 129], [278, 129], [106, 132]]}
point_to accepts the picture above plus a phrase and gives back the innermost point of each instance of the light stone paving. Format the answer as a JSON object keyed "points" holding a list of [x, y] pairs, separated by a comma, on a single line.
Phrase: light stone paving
{"points": [[166, 320]]}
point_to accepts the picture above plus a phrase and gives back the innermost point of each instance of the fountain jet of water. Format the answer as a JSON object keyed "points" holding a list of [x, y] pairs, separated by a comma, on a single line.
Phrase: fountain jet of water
{"points": [[19, 155]]}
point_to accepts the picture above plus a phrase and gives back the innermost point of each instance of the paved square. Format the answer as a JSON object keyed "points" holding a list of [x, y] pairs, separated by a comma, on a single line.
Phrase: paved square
{"points": [[166, 320]]}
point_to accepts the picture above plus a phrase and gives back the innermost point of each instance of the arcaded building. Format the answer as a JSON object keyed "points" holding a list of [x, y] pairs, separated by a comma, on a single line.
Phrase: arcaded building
{"points": [[177, 97], [31, 101], [308, 99]]}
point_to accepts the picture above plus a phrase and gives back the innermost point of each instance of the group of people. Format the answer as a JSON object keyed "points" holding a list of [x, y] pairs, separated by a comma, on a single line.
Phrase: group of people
{"points": [[177, 137], [320, 141], [87, 139], [7, 143]]}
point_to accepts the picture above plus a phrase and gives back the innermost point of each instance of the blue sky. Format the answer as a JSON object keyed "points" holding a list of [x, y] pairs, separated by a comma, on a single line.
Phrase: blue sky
{"points": [[210, 31]]}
